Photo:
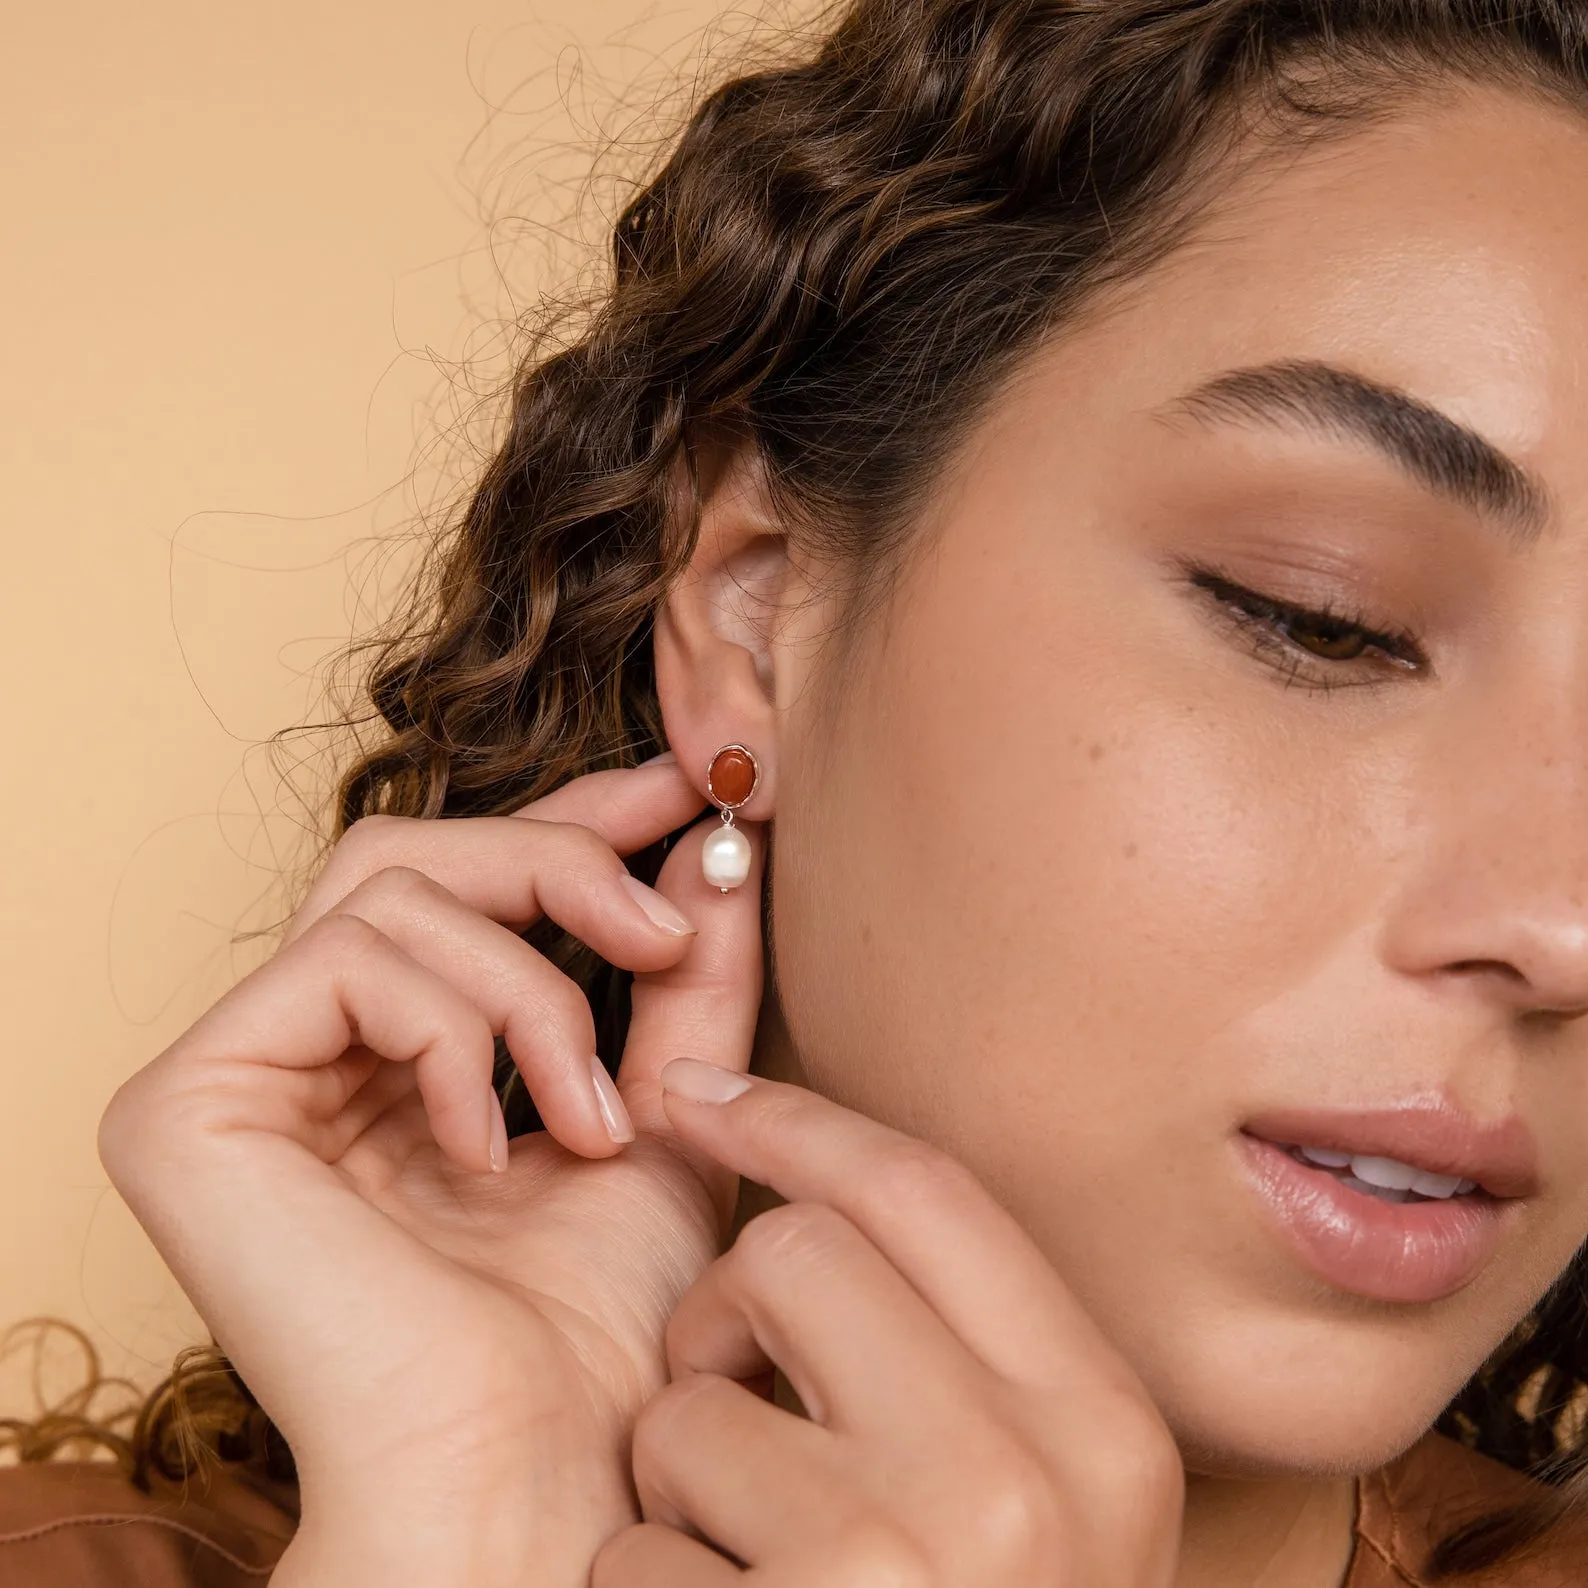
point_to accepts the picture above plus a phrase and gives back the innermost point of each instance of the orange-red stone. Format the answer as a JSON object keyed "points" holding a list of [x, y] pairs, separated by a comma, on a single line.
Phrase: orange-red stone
{"points": [[731, 777]]}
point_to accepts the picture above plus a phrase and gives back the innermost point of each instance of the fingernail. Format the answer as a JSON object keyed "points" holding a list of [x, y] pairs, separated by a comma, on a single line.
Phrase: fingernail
{"points": [[701, 1082], [657, 909], [499, 1149], [660, 760], [613, 1114]]}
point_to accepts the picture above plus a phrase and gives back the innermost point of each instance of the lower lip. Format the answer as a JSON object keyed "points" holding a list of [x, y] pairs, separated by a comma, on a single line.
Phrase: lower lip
{"points": [[1384, 1251]]}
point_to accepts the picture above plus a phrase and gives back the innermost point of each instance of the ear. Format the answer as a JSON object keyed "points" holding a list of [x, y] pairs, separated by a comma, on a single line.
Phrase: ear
{"points": [[717, 631]]}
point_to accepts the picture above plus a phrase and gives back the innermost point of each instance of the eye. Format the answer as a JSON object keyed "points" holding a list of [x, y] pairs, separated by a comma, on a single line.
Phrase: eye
{"points": [[1296, 638], [1335, 639]]}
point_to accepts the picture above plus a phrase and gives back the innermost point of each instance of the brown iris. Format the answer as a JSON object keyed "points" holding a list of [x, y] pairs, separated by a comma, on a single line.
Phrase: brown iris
{"points": [[1338, 642]]}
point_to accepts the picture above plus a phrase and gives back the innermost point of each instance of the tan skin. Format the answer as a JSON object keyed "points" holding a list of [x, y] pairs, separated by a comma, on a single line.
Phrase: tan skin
{"points": [[1071, 876]]}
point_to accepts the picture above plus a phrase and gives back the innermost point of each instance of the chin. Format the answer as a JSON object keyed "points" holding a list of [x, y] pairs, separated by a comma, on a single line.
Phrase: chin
{"points": [[1294, 1397]]}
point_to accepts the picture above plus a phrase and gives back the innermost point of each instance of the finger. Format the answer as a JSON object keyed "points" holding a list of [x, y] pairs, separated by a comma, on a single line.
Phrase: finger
{"points": [[709, 1001], [803, 1288], [926, 1213], [648, 1555], [541, 1012], [628, 807], [754, 1479], [283, 1052], [383, 1124], [541, 860], [245, 1196]]}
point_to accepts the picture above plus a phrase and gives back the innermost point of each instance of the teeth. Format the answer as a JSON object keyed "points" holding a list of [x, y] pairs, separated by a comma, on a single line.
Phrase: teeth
{"points": [[1387, 1177], [1389, 1173], [1325, 1156]]}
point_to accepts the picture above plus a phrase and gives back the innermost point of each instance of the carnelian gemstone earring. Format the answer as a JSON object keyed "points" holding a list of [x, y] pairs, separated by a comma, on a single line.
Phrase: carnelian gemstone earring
{"points": [[730, 781]]}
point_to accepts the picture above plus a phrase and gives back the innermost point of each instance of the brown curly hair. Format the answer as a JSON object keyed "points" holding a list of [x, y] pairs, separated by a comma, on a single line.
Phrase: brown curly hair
{"points": [[842, 257]]}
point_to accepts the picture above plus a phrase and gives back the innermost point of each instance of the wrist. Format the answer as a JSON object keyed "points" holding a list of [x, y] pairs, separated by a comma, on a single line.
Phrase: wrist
{"points": [[371, 1546], [431, 1530]]}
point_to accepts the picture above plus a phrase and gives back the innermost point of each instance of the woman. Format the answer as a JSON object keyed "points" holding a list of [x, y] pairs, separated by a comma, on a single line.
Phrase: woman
{"points": [[1087, 499]]}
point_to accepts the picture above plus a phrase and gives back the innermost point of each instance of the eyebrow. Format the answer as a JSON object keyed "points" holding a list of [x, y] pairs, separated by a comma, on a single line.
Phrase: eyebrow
{"points": [[1433, 448]]}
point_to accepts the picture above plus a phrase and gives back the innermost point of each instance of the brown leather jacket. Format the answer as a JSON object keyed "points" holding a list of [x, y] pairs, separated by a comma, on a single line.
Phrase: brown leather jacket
{"points": [[80, 1525]]}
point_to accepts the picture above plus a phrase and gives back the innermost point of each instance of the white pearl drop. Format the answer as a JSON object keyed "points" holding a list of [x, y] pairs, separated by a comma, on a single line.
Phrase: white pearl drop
{"points": [[725, 858]]}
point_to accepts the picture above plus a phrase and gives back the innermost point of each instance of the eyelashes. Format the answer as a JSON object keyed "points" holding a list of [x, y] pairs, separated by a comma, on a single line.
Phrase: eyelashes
{"points": [[1316, 647]]}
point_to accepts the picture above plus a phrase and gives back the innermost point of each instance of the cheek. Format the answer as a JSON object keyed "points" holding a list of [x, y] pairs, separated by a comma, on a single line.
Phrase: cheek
{"points": [[1042, 852], [1070, 889]]}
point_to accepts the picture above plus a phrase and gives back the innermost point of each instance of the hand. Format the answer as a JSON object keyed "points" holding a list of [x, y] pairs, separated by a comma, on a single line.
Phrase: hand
{"points": [[454, 1356], [969, 1427]]}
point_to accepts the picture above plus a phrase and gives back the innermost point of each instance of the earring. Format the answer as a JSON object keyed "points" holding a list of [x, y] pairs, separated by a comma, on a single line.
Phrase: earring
{"points": [[730, 781]]}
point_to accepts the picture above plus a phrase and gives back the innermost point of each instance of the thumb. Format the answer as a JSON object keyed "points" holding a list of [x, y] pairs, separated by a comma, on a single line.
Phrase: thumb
{"points": [[705, 1006]]}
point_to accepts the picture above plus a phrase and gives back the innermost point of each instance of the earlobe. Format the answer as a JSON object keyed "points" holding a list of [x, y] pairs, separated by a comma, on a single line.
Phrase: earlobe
{"points": [[714, 637]]}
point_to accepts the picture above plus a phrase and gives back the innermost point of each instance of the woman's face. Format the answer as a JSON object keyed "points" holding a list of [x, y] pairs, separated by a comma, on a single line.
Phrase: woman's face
{"points": [[1090, 879]]}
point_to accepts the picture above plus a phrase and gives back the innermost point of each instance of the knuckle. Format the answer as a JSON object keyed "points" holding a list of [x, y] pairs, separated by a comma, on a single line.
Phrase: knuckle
{"points": [[345, 935], [1138, 1470], [577, 851], [796, 1234], [402, 888], [120, 1128], [875, 1551], [548, 1010], [1155, 1473], [577, 840], [625, 1557], [153, 1119], [685, 1405], [1018, 1515], [566, 1003], [916, 1173], [360, 848]]}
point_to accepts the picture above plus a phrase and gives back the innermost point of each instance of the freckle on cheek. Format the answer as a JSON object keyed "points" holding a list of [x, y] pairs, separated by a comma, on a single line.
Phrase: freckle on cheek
{"points": [[1130, 851], [1096, 752]]}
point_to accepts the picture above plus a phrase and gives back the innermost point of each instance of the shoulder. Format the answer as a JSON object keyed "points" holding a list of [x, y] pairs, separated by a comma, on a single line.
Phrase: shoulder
{"points": [[83, 1523], [1406, 1507]]}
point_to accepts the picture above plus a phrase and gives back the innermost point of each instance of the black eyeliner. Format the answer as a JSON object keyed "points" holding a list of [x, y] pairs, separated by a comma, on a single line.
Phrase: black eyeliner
{"points": [[1268, 620]]}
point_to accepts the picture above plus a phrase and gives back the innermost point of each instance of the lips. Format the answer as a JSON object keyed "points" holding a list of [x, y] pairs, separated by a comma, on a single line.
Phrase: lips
{"points": [[1417, 1250], [1501, 1156]]}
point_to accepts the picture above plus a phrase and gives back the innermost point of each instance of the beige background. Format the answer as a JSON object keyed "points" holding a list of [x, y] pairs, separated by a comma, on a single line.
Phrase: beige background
{"points": [[241, 250]]}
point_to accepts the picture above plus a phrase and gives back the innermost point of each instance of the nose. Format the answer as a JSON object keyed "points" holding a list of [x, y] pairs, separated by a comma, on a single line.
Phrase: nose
{"points": [[1536, 966], [1495, 890]]}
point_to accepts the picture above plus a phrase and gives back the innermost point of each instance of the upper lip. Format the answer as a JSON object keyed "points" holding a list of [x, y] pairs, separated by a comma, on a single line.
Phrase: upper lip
{"points": [[1500, 1155]]}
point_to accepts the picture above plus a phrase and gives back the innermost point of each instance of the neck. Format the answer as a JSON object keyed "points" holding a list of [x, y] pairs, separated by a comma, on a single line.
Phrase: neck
{"points": [[1267, 1533]]}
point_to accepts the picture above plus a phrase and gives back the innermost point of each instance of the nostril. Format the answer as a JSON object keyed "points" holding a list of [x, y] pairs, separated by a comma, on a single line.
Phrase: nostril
{"points": [[1558, 1015], [1537, 1001]]}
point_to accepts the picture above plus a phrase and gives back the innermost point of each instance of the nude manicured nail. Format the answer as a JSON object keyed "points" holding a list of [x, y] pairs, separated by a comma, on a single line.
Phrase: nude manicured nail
{"points": [[703, 1083], [657, 909], [499, 1148], [613, 1114]]}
